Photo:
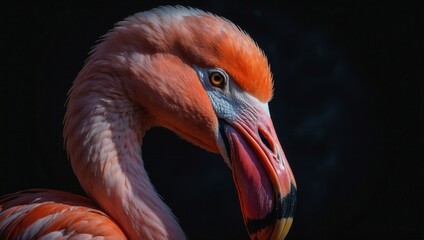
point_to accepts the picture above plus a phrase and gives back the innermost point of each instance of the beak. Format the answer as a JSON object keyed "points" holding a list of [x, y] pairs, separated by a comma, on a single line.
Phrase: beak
{"points": [[264, 180]]}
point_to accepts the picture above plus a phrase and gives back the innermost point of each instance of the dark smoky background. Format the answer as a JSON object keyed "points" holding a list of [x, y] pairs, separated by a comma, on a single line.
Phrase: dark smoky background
{"points": [[347, 109]]}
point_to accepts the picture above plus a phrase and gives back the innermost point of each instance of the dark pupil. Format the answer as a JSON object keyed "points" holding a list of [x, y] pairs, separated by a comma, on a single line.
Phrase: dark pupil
{"points": [[217, 78]]}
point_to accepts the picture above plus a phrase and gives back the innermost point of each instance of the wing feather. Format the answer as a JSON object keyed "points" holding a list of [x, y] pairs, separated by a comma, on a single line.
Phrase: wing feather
{"points": [[50, 214]]}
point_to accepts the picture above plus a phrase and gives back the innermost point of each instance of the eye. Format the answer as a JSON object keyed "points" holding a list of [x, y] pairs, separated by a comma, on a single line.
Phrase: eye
{"points": [[217, 79]]}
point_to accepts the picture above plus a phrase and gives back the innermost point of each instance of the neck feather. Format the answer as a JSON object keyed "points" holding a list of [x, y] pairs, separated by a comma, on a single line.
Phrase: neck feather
{"points": [[103, 131]]}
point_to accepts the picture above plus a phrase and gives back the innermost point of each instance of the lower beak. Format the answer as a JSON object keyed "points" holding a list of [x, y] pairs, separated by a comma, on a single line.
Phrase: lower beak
{"points": [[264, 181]]}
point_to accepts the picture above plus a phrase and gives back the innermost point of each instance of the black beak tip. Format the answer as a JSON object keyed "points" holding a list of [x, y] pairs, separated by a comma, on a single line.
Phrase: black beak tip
{"points": [[285, 209], [287, 205]]}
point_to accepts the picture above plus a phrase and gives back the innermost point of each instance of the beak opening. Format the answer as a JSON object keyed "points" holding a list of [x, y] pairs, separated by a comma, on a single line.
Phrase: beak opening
{"points": [[264, 181], [226, 155]]}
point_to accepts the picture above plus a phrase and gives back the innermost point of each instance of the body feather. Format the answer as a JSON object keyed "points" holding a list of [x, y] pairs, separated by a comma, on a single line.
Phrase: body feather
{"points": [[50, 214]]}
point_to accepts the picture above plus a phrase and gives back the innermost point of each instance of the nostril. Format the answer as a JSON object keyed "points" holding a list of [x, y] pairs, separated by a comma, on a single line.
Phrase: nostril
{"points": [[265, 140]]}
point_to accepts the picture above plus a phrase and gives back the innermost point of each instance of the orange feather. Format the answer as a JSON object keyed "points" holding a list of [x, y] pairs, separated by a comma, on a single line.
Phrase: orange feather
{"points": [[236, 53], [65, 212]]}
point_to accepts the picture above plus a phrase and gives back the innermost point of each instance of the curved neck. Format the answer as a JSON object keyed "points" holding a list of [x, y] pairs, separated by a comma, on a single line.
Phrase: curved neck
{"points": [[103, 132]]}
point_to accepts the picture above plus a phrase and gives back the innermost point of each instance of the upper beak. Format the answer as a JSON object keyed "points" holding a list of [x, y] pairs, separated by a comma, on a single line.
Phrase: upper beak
{"points": [[264, 181]]}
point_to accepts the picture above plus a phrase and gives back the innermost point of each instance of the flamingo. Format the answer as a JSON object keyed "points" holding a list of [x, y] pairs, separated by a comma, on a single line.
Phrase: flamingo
{"points": [[181, 68]]}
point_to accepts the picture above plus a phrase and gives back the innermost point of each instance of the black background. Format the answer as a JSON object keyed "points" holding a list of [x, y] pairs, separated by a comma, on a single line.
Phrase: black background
{"points": [[347, 109]]}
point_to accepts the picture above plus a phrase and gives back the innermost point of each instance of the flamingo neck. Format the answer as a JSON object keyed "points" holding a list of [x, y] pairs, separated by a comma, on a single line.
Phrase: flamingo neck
{"points": [[103, 132]]}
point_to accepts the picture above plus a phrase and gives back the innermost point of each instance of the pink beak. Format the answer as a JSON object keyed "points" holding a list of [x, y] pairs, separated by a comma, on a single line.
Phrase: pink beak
{"points": [[264, 180]]}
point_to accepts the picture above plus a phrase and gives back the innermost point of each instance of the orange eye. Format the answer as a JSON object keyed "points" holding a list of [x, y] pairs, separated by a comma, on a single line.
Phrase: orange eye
{"points": [[217, 79]]}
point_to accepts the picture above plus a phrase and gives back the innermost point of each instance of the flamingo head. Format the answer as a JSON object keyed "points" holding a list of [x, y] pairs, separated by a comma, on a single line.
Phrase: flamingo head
{"points": [[202, 77]]}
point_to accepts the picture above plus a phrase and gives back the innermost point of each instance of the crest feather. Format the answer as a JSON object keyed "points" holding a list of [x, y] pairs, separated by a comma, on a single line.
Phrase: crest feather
{"points": [[205, 40]]}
